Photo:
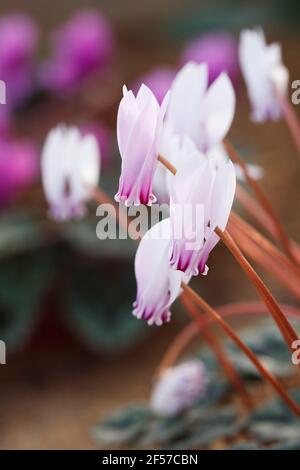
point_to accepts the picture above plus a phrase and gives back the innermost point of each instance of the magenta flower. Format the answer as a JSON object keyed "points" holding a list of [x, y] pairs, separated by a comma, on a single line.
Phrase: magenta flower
{"points": [[203, 114], [5, 122], [158, 285], [202, 195], [103, 136], [70, 167], [138, 129], [264, 73], [18, 168], [218, 50], [82, 45], [159, 80], [179, 388], [19, 40]]}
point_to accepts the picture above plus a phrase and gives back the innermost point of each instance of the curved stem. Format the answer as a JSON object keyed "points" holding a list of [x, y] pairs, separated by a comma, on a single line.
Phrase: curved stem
{"points": [[186, 335], [264, 201], [263, 219], [277, 264], [264, 259], [220, 353], [255, 361], [290, 119], [167, 164], [285, 327]]}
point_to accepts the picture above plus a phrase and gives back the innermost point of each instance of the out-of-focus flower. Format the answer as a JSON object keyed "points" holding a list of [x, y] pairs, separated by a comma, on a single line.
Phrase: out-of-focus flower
{"points": [[18, 168], [201, 199], [264, 73], [158, 285], [218, 50], [103, 137], [179, 388], [203, 114], [19, 40], [159, 80], [70, 167], [81, 46], [138, 129]]}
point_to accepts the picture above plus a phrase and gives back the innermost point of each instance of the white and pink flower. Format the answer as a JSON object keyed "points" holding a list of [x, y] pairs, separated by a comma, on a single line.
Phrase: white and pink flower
{"points": [[265, 75], [179, 388], [138, 128], [70, 167], [202, 195], [202, 113], [158, 285]]}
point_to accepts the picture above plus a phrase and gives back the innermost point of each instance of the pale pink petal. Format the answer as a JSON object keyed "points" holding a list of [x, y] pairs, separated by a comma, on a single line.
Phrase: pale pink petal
{"points": [[157, 284], [185, 108], [138, 135], [219, 108], [263, 72], [221, 204]]}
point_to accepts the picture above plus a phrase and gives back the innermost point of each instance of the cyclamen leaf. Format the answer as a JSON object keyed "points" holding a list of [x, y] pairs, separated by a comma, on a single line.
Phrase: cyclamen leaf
{"points": [[124, 427], [100, 315]]}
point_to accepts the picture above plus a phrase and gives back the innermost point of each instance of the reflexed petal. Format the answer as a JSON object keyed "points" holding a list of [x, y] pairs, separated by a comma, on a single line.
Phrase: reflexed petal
{"points": [[263, 71], [138, 135], [53, 167], [219, 108], [157, 284], [190, 212], [85, 170], [185, 111], [70, 165], [221, 204]]}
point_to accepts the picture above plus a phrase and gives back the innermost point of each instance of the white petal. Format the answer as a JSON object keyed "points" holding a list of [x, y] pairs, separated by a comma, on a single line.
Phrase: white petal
{"points": [[219, 108], [184, 111]]}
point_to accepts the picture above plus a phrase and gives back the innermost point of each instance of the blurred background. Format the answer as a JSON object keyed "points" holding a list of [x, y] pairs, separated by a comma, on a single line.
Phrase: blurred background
{"points": [[74, 350]]}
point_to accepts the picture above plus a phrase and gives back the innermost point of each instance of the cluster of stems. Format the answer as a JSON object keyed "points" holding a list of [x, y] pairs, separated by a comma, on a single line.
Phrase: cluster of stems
{"points": [[240, 238]]}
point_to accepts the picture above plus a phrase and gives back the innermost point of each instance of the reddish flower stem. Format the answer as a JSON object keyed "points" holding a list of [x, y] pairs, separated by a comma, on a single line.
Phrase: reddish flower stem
{"points": [[283, 324], [288, 332], [253, 358], [263, 200], [220, 353], [186, 335], [291, 119], [284, 262], [167, 164], [265, 260]]}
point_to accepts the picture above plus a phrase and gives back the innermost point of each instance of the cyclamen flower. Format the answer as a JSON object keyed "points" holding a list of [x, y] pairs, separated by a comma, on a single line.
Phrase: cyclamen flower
{"points": [[179, 388], [81, 46], [138, 128], [19, 41], [70, 166], [203, 114], [264, 73], [18, 168], [202, 194], [158, 285]]}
